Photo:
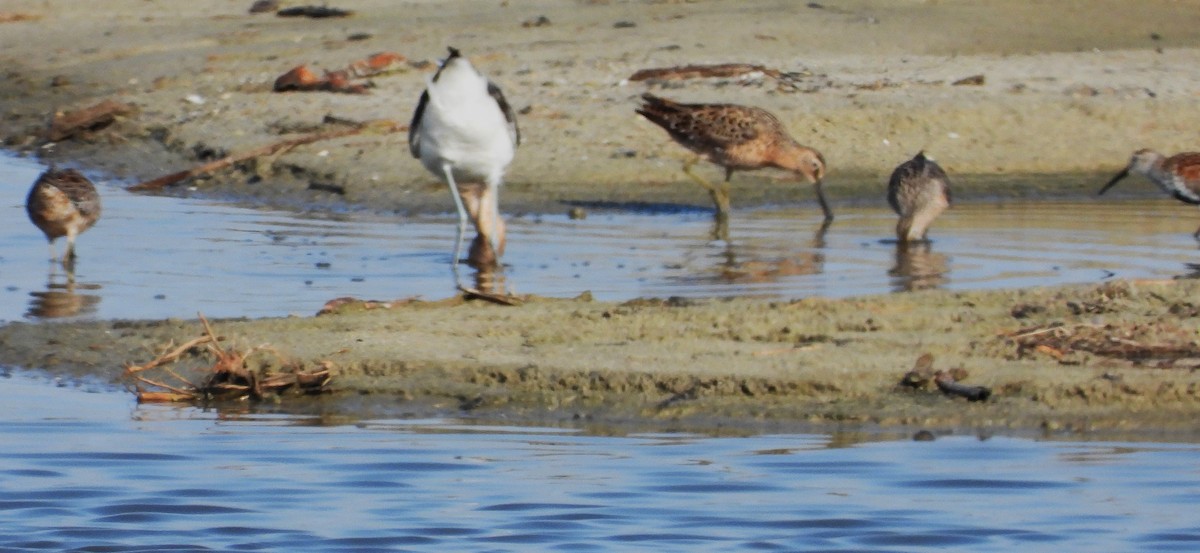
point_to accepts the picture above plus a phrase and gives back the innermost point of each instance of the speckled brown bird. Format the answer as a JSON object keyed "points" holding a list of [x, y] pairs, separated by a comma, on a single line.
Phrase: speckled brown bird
{"points": [[1178, 175], [63, 202], [918, 191], [738, 138]]}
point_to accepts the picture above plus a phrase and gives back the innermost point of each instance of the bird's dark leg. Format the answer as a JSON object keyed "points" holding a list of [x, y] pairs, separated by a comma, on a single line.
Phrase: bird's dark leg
{"points": [[819, 236], [1196, 234], [720, 229], [824, 204], [720, 195]]}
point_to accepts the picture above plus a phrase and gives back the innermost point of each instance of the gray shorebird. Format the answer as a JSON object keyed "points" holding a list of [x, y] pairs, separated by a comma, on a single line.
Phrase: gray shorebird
{"points": [[738, 138], [918, 191], [63, 202], [1178, 175], [465, 132]]}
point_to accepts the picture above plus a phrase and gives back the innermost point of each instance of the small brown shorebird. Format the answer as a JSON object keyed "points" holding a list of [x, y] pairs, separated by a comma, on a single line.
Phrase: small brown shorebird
{"points": [[63, 203], [918, 191], [738, 138], [1178, 175]]}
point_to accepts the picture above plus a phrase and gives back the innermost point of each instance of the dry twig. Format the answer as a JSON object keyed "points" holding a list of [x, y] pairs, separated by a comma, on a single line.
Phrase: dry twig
{"points": [[226, 376], [70, 123], [383, 125]]}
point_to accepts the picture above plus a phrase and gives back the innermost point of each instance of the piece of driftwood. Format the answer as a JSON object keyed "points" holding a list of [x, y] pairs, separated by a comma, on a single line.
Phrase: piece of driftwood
{"points": [[720, 70], [14, 17], [228, 377], [315, 12], [947, 383], [973, 80], [264, 6], [499, 299], [67, 124], [348, 304], [384, 126]]}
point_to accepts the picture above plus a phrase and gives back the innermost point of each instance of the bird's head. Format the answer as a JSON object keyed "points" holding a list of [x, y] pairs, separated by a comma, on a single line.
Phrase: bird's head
{"points": [[1142, 162], [808, 163]]}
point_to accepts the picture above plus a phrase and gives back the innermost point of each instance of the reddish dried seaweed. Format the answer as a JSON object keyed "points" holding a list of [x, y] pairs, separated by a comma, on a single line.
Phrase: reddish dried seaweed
{"points": [[1140, 344], [226, 378]]}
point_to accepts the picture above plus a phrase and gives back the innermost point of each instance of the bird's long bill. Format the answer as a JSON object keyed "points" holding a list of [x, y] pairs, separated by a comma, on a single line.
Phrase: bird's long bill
{"points": [[821, 199], [1124, 173]]}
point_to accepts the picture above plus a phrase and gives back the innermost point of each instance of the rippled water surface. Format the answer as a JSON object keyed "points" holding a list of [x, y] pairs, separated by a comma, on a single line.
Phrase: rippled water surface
{"points": [[84, 471], [154, 257]]}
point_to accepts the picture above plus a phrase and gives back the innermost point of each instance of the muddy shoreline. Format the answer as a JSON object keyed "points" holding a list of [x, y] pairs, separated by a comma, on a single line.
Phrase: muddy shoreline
{"points": [[1071, 100], [1120, 358]]}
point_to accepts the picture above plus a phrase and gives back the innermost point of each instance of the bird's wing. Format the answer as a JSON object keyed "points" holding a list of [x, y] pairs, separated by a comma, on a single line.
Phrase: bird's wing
{"points": [[414, 128], [79, 190], [498, 96], [724, 125], [1186, 165], [903, 172]]}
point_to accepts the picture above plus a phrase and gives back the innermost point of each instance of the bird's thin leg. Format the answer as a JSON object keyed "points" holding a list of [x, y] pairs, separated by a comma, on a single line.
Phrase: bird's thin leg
{"points": [[824, 204], [68, 259], [720, 228], [720, 196], [462, 215], [1196, 234]]}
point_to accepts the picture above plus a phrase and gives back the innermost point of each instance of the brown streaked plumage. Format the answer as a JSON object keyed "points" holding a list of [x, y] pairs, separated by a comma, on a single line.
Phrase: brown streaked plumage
{"points": [[738, 138], [918, 191], [63, 202], [1178, 175]]}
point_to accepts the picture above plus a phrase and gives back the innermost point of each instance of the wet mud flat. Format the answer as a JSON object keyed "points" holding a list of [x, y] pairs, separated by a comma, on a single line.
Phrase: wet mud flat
{"points": [[1119, 358], [981, 99]]}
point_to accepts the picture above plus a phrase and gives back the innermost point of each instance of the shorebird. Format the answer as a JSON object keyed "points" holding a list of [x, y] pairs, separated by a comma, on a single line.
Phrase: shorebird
{"points": [[738, 138], [463, 130], [1178, 175], [918, 191], [63, 203]]}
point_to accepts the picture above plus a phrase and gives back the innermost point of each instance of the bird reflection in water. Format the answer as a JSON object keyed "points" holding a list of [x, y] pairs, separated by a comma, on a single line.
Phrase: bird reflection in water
{"points": [[489, 280], [808, 262], [63, 297], [918, 267]]}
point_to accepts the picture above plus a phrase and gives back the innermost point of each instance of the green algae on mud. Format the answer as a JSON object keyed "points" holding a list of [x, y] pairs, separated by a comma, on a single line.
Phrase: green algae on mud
{"points": [[736, 362]]}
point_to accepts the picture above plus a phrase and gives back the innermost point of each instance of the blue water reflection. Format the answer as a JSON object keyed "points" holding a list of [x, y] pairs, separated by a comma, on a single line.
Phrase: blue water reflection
{"points": [[91, 470], [156, 257]]}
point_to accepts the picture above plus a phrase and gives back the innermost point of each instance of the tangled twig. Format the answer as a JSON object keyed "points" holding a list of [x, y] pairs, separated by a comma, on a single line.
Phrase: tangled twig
{"points": [[227, 377]]}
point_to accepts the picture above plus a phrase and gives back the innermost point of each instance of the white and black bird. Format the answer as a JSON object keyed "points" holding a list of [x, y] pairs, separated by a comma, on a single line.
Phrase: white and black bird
{"points": [[465, 132], [63, 202], [918, 191]]}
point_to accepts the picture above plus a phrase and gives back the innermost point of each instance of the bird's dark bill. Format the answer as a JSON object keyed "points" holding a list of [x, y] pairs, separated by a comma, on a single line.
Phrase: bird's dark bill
{"points": [[1124, 173]]}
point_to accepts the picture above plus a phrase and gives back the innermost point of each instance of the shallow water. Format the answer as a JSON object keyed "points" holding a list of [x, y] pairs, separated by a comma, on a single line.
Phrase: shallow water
{"points": [[156, 257], [93, 471]]}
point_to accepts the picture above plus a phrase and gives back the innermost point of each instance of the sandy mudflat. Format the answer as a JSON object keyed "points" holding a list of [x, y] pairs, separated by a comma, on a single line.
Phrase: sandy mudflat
{"points": [[1068, 88]]}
